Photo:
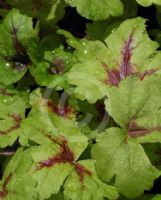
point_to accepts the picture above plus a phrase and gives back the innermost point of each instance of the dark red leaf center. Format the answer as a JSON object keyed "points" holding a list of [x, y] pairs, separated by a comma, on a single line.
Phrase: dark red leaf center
{"points": [[66, 155], [125, 67], [62, 111]]}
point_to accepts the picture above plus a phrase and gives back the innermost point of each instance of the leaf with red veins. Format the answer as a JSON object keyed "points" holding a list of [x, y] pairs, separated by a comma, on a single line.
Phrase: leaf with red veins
{"points": [[125, 67], [12, 112], [135, 107], [61, 111], [92, 188], [131, 55], [17, 120], [58, 163], [66, 155], [3, 193]]}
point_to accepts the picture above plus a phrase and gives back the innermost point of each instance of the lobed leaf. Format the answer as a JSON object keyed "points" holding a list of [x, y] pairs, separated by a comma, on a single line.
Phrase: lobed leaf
{"points": [[12, 112], [16, 31], [124, 160], [16, 182], [101, 66]]}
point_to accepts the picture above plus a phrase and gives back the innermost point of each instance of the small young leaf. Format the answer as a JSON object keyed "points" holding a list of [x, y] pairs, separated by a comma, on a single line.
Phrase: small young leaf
{"points": [[52, 72]]}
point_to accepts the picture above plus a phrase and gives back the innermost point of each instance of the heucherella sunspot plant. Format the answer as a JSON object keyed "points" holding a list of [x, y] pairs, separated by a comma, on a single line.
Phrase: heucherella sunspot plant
{"points": [[80, 100]]}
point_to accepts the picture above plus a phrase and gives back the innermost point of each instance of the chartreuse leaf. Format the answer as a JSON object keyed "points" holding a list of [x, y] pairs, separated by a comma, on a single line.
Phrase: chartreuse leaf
{"points": [[12, 112], [135, 107], [147, 3], [54, 163], [16, 182], [93, 187], [16, 31], [52, 71], [97, 10], [101, 66], [127, 44], [89, 75], [47, 117], [126, 160], [49, 178]]}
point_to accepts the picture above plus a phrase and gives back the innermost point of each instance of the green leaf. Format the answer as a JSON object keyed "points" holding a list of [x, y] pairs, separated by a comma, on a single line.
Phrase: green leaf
{"points": [[135, 106], [87, 77], [91, 188], [97, 10], [12, 111], [15, 21], [124, 160], [88, 74], [14, 39], [52, 71], [147, 3], [16, 182]]}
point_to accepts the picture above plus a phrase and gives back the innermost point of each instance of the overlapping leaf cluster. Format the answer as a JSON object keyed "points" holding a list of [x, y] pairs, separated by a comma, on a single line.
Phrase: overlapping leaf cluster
{"points": [[80, 119]]}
